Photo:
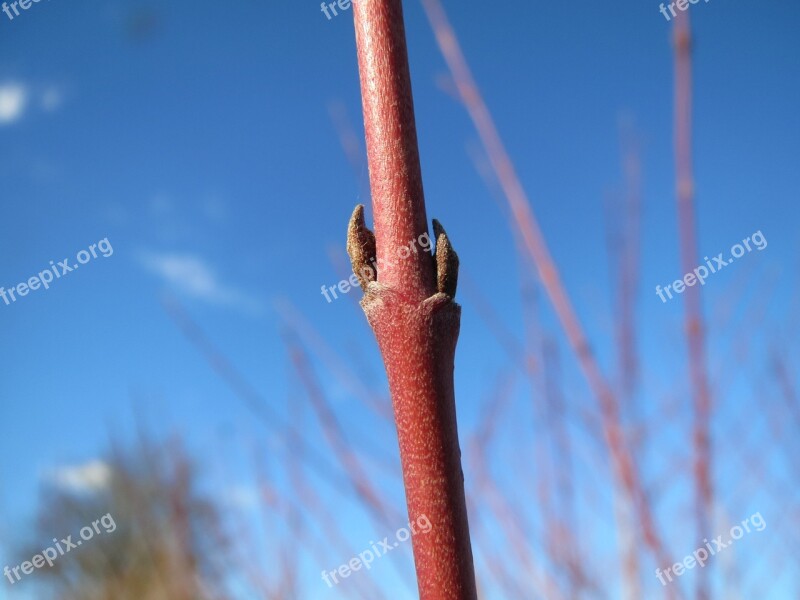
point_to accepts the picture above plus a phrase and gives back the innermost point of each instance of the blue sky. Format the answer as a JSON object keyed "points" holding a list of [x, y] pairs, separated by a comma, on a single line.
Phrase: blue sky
{"points": [[197, 138]]}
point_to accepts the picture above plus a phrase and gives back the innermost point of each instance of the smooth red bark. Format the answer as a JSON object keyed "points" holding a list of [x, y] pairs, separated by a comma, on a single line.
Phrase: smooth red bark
{"points": [[693, 317], [415, 322], [394, 170]]}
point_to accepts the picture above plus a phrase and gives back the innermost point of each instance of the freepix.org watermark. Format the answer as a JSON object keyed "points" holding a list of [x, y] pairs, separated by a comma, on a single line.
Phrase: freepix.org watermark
{"points": [[56, 270], [681, 4], [23, 4], [701, 555], [345, 285], [366, 558], [342, 4], [701, 273], [49, 555]]}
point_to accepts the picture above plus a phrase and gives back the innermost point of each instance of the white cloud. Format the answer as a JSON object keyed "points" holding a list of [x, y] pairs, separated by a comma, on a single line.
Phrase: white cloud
{"points": [[13, 101], [241, 497], [17, 98], [51, 99], [93, 476], [190, 275]]}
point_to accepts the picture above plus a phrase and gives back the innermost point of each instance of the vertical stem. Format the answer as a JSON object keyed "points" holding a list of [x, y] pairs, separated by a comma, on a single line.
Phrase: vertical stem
{"points": [[410, 307], [627, 278], [695, 328], [394, 168], [524, 220]]}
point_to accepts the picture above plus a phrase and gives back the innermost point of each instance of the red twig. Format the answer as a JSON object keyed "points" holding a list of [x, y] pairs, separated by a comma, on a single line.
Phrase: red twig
{"points": [[623, 225], [535, 244], [695, 328], [409, 304], [394, 171]]}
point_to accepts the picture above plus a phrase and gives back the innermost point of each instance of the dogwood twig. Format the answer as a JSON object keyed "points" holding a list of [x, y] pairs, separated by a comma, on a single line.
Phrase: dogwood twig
{"points": [[624, 465], [409, 305], [693, 317]]}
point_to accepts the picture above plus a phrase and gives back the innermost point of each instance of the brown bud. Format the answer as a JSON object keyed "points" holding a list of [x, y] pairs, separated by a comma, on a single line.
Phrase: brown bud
{"points": [[361, 248], [446, 262]]}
